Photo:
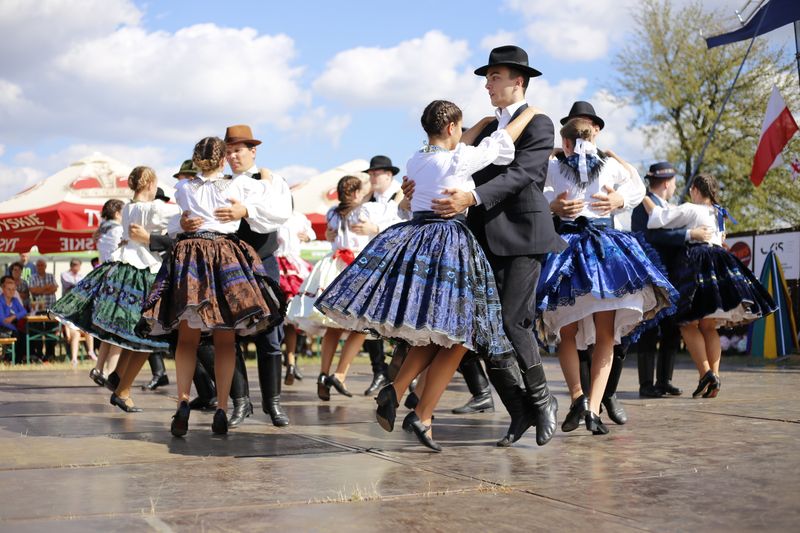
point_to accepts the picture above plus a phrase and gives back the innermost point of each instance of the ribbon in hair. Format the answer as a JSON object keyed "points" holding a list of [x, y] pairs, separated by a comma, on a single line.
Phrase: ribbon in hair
{"points": [[584, 148]]}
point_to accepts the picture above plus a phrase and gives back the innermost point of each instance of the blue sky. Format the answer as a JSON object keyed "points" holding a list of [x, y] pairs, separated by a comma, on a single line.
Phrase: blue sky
{"points": [[321, 82]]}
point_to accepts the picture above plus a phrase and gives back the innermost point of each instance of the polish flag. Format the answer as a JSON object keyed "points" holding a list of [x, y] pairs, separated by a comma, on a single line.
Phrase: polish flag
{"points": [[779, 126]]}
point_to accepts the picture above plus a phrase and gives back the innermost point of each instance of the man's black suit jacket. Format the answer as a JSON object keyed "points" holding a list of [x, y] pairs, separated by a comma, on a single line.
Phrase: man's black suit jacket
{"points": [[514, 216], [667, 242]]}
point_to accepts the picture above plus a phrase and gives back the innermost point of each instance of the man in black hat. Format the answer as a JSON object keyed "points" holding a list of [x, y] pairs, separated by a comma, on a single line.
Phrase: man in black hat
{"points": [[668, 243], [511, 219]]}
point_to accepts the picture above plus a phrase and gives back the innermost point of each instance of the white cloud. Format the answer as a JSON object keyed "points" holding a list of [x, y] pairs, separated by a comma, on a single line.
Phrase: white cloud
{"points": [[317, 123], [574, 30], [15, 179], [414, 71], [37, 31], [500, 38], [619, 133], [294, 174], [108, 77]]}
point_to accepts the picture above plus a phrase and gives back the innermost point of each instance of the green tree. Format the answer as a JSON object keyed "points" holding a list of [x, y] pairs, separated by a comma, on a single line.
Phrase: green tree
{"points": [[679, 85]]}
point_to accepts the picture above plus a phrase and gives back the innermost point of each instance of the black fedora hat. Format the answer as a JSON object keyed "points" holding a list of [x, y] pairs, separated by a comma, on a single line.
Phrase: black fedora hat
{"points": [[583, 109], [160, 195], [381, 162], [661, 170], [510, 56]]}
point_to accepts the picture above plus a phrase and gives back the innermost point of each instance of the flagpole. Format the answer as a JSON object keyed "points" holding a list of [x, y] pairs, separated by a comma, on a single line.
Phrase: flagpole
{"points": [[689, 179], [797, 46]]}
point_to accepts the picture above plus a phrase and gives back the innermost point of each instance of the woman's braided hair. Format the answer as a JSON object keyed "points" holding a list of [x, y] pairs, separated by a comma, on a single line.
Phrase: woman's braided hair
{"points": [[346, 189], [438, 114], [141, 177], [708, 186], [208, 154]]}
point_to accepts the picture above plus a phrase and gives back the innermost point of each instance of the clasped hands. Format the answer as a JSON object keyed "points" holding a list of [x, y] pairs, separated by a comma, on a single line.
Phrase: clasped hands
{"points": [[235, 211], [606, 202]]}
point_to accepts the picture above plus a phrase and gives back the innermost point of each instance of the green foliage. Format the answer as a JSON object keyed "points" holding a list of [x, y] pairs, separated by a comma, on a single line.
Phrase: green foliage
{"points": [[679, 84]]}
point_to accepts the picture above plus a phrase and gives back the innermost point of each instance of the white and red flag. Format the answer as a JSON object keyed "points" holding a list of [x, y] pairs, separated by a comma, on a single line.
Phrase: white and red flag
{"points": [[778, 127]]}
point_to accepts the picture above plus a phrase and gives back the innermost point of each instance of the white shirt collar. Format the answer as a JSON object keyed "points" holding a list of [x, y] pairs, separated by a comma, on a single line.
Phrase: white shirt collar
{"points": [[504, 114], [249, 172]]}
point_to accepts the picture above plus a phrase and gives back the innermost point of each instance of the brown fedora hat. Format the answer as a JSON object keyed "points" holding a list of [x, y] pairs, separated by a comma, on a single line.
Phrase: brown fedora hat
{"points": [[240, 134]]}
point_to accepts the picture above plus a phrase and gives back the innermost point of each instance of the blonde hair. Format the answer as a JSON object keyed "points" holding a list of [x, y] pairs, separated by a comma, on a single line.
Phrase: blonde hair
{"points": [[141, 177], [208, 154], [578, 128]]}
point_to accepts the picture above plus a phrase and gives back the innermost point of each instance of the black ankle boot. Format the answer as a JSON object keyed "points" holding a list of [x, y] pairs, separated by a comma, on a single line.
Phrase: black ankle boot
{"points": [[269, 377], [646, 366], [289, 378], [666, 365], [594, 424], [544, 404], [478, 385], [242, 408], [507, 381], [577, 412], [614, 409], [387, 407], [378, 381], [156, 360]]}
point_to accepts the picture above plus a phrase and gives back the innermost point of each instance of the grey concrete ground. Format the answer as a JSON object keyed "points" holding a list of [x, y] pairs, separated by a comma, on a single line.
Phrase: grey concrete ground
{"points": [[71, 462]]}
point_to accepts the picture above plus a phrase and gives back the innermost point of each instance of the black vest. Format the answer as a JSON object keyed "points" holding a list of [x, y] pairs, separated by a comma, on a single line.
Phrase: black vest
{"points": [[264, 243]]}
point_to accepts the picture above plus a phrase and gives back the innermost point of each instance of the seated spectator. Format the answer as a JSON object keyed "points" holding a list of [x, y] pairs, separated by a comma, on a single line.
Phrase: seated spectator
{"points": [[11, 314], [69, 279], [43, 289], [23, 292]]}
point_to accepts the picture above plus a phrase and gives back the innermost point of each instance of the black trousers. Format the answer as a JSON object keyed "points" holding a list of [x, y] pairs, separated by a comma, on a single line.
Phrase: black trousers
{"points": [[517, 278], [666, 334], [374, 348]]}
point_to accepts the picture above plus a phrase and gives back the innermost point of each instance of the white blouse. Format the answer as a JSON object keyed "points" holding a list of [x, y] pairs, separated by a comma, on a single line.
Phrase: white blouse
{"points": [[288, 240], [202, 195], [436, 170], [612, 174], [367, 212], [109, 239], [278, 206], [689, 216], [155, 217]]}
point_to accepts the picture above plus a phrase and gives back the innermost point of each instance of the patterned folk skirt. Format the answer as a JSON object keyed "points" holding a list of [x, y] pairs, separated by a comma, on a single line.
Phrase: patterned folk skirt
{"points": [[107, 304], [214, 281], [426, 281], [713, 283], [602, 269]]}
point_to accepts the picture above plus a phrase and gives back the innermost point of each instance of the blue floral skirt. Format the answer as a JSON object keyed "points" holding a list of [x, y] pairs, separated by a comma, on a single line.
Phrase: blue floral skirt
{"points": [[713, 283], [602, 269], [107, 304], [426, 281]]}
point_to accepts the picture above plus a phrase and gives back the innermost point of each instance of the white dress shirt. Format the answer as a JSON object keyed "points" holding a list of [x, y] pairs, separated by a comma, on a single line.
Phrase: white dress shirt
{"points": [[278, 207], [503, 115]]}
